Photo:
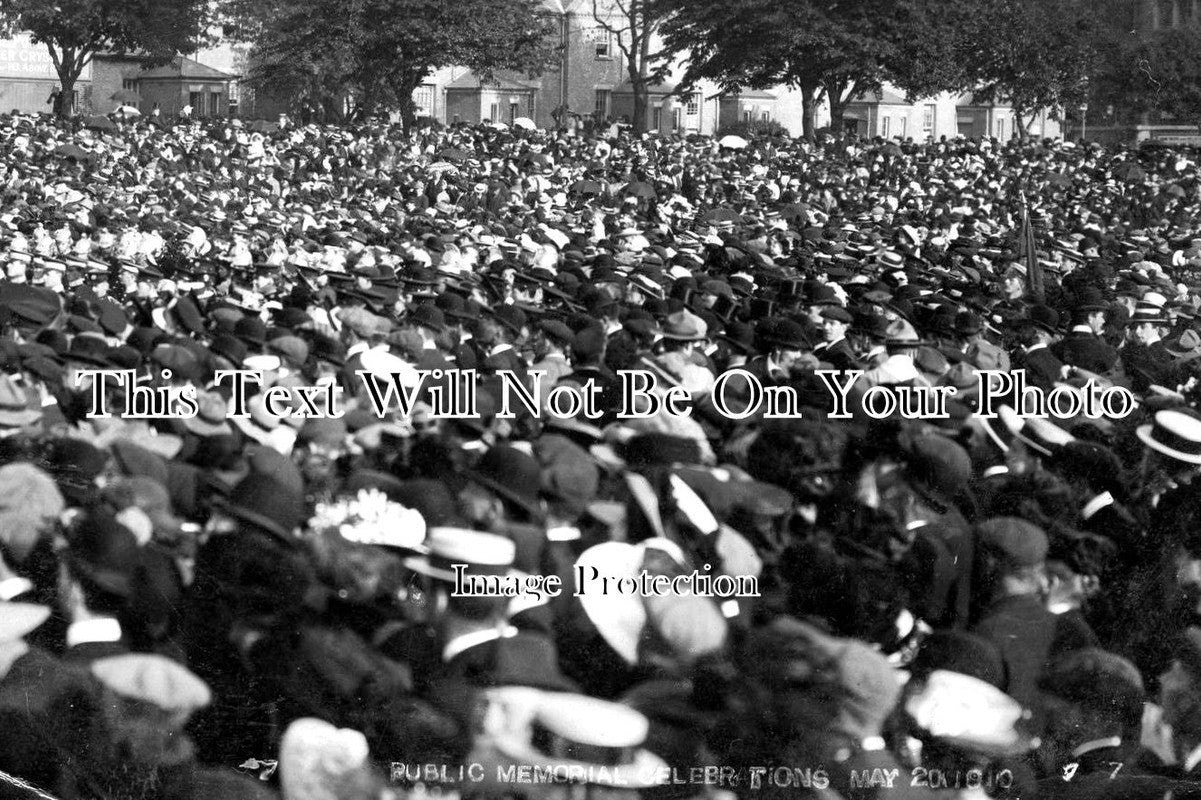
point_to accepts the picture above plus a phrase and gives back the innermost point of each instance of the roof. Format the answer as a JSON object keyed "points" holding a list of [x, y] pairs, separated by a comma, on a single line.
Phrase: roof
{"points": [[182, 67], [470, 80], [886, 97], [749, 94], [658, 88]]}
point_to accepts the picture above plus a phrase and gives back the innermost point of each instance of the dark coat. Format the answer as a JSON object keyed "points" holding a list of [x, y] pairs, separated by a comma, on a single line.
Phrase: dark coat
{"points": [[1029, 638], [1087, 351]]}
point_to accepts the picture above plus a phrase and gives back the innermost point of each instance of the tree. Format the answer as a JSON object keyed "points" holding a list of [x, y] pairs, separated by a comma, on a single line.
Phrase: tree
{"points": [[828, 49], [1033, 54], [1149, 74], [633, 25], [73, 31], [375, 53]]}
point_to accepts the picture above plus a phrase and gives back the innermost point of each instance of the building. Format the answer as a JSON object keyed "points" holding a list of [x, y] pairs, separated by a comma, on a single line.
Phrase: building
{"points": [[470, 100], [185, 83], [889, 114], [28, 77]]}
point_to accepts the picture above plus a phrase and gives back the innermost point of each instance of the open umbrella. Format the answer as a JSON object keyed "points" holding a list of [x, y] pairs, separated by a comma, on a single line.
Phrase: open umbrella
{"points": [[126, 96], [1129, 172], [99, 123], [454, 154], [264, 126], [794, 211], [585, 186], [438, 167], [1175, 190], [74, 151], [891, 149], [525, 123], [733, 142], [128, 111], [722, 214], [640, 189]]}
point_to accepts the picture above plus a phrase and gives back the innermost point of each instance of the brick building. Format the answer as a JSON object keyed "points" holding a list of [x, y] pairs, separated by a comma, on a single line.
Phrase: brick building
{"points": [[27, 77]]}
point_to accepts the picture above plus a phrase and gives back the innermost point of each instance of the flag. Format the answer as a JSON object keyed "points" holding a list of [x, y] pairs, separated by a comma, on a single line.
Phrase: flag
{"points": [[1027, 249]]}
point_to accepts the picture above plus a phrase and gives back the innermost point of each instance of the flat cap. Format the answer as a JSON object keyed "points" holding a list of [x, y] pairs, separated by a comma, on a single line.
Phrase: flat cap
{"points": [[1018, 542]]}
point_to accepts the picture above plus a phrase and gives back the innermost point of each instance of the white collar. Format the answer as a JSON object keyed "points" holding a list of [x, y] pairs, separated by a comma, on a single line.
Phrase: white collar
{"points": [[14, 587], [356, 348], [500, 348], [561, 533], [466, 641], [97, 629], [1081, 329], [1193, 759], [1096, 504], [1038, 346], [1098, 744], [999, 469]]}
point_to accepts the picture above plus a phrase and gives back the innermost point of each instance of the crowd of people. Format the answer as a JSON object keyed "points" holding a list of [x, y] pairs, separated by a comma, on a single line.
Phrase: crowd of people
{"points": [[210, 590]]}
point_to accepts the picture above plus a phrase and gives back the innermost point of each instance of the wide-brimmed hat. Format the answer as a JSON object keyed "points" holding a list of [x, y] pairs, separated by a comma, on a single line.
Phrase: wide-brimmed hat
{"points": [[1187, 347], [210, 416], [970, 714], [15, 411], [481, 553], [512, 474], [266, 503], [20, 619], [1175, 434], [684, 326], [586, 740], [1147, 312]]}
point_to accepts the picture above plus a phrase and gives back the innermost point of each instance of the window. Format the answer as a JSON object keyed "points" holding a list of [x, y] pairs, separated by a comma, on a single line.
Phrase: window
{"points": [[214, 104], [903, 127], [656, 117], [129, 84], [1001, 129], [928, 119], [604, 43], [196, 101], [693, 106], [1166, 17], [765, 116], [494, 113], [746, 115], [514, 111], [884, 123], [602, 102], [676, 120], [423, 98]]}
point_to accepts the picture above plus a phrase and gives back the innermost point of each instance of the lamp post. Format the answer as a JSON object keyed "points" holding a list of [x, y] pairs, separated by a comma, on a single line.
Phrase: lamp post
{"points": [[1083, 120]]}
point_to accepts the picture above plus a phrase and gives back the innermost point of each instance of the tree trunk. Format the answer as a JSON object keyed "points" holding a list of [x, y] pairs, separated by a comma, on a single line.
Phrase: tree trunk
{"points": [[808, 111], [1023, 128], [641, 94]]}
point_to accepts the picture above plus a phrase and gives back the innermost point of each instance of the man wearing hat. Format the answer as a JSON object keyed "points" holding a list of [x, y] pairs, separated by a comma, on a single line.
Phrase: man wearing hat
{"points": [[1037, 332], [1009, 582], [1083, 346], [1094, 701], [552, 343], [836, 350], [1145, 359]]}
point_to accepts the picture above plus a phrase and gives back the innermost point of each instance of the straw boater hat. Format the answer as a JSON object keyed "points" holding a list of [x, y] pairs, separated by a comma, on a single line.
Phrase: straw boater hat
{"points": [[1175, 434], [482, 553], [597, 741]]}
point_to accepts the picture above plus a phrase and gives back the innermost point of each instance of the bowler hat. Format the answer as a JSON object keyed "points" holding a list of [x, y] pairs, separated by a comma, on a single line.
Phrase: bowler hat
{"points": [[266, 504], [512, 474]]}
